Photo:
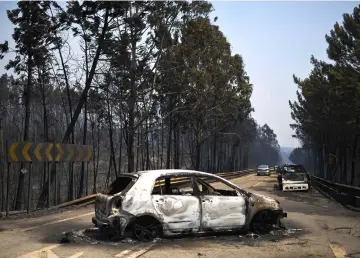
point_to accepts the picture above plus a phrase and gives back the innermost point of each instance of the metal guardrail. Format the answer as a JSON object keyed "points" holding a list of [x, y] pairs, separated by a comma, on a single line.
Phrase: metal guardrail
{"points": [[348, 196]]}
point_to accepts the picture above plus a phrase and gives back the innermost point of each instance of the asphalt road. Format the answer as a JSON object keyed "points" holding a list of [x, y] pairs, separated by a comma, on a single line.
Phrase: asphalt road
{"points": [[316, 227]]}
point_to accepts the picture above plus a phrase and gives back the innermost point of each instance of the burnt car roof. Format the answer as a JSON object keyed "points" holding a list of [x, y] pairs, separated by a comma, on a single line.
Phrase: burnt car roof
{"points": [[150, 175], [165, 172]]}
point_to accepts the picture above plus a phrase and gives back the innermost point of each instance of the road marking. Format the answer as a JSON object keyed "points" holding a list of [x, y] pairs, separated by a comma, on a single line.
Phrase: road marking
{"points": [[57, 221], [257, 184], [135, 254], [76, 255], [141, 252], [338, 250], [125, 252], [43, 252]]}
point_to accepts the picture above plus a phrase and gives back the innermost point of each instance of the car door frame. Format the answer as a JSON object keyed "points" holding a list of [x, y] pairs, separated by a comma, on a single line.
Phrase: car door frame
{"points": [[240, 194], [168, 224]]}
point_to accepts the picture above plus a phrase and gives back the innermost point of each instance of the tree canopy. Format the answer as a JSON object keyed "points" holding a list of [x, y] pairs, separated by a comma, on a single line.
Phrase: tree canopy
{"points": [[327, 110]]}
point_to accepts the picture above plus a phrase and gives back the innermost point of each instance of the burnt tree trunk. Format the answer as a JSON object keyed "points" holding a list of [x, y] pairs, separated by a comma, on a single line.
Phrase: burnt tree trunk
{"points": [[198, 152], [176, 135], [77, 111], [82, 173], [27, 96]]}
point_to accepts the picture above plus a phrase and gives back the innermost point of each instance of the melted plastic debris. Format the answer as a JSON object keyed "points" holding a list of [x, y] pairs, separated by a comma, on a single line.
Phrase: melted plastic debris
{"points": [[129, 241], [291, 231], [158, 240], [94, 236], [91, 230], [285, 232], [253, 236]]}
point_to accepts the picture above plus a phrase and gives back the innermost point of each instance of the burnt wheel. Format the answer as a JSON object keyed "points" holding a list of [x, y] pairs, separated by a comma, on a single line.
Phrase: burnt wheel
{"points": [[146, 229], [263, 222]]}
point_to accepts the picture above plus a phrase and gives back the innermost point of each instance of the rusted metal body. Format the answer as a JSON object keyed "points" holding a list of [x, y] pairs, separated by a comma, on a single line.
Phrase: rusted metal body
{"points": [[293, 178], [184, 212]]}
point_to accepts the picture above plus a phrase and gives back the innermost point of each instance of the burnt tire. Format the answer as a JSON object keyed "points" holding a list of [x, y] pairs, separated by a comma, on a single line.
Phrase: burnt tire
{"points": [[262, 222], [146, 229]]}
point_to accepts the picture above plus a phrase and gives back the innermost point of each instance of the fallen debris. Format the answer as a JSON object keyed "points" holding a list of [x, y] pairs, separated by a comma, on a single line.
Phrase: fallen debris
{"points": [[64, 240], [253, 236]]}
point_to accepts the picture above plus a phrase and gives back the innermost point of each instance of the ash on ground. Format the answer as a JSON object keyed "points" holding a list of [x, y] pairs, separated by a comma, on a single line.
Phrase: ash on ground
{"points": [[95, 236]]}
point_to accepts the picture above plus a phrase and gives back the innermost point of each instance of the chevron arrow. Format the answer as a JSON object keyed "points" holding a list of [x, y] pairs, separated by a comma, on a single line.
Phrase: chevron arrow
{"points": [[61, 152], [90, 153], [37, 152], [48, 152], [12, 151], [25, 151], [71, 152]]}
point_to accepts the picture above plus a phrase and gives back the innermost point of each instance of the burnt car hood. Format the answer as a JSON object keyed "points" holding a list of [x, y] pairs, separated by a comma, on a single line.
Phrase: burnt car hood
{"points": [[266, 200], [294, 176]]}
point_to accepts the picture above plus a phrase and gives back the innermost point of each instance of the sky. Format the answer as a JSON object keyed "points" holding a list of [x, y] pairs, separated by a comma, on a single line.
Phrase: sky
{"points": [[275, 39]]}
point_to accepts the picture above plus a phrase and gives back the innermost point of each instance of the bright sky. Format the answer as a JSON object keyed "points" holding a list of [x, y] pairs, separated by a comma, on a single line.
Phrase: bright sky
{"points": [[276, 40]]}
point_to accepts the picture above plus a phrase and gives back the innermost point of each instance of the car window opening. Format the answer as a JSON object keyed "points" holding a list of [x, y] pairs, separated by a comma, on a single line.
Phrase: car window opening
{"points": [[219, 188], [173, 186], [119, 185]]}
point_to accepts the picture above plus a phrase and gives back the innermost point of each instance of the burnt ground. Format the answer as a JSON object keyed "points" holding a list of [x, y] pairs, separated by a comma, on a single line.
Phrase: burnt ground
{"points": [[95, 236]]}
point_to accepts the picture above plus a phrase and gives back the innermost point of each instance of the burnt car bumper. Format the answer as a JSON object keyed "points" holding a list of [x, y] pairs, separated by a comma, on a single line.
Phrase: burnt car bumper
{"points": [[114, 224], [295, 187], [99, 223]]}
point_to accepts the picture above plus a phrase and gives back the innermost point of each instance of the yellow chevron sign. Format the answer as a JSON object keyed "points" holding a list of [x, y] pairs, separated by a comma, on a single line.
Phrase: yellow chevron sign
{"points": [[48, 152]]}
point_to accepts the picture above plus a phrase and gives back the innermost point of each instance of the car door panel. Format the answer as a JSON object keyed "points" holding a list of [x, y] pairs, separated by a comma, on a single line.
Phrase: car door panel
{"points": [[223, 212], [180, 213]]}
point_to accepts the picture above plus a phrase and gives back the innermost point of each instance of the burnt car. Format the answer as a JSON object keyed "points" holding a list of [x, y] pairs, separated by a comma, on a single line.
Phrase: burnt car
{"points": [[157, 203], [292, 177]]}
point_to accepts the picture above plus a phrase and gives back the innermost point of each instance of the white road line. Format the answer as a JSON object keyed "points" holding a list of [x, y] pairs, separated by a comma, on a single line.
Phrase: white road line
{"points": [[257, 184], [125, 252], [135, 254], [43, 252], [57, 221], [140, 252], [76, 255], [338, 250]]}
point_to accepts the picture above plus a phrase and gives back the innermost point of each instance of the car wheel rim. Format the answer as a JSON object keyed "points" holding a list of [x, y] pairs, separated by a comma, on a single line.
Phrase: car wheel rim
{"points": [[146, 233], [262, 223]]}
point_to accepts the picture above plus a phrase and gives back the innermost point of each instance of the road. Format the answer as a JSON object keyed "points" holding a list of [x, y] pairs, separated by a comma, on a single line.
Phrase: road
{"points": [[316, 227]]}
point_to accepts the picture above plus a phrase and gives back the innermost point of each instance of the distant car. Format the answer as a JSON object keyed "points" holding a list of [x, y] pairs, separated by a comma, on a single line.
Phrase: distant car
{"points": [[293, 177], [169, 202], [263, 170]]}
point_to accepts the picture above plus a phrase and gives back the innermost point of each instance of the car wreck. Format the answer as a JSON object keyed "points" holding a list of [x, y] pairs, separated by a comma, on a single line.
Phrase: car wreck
{"points": [[157, 203], [293, 177]]}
